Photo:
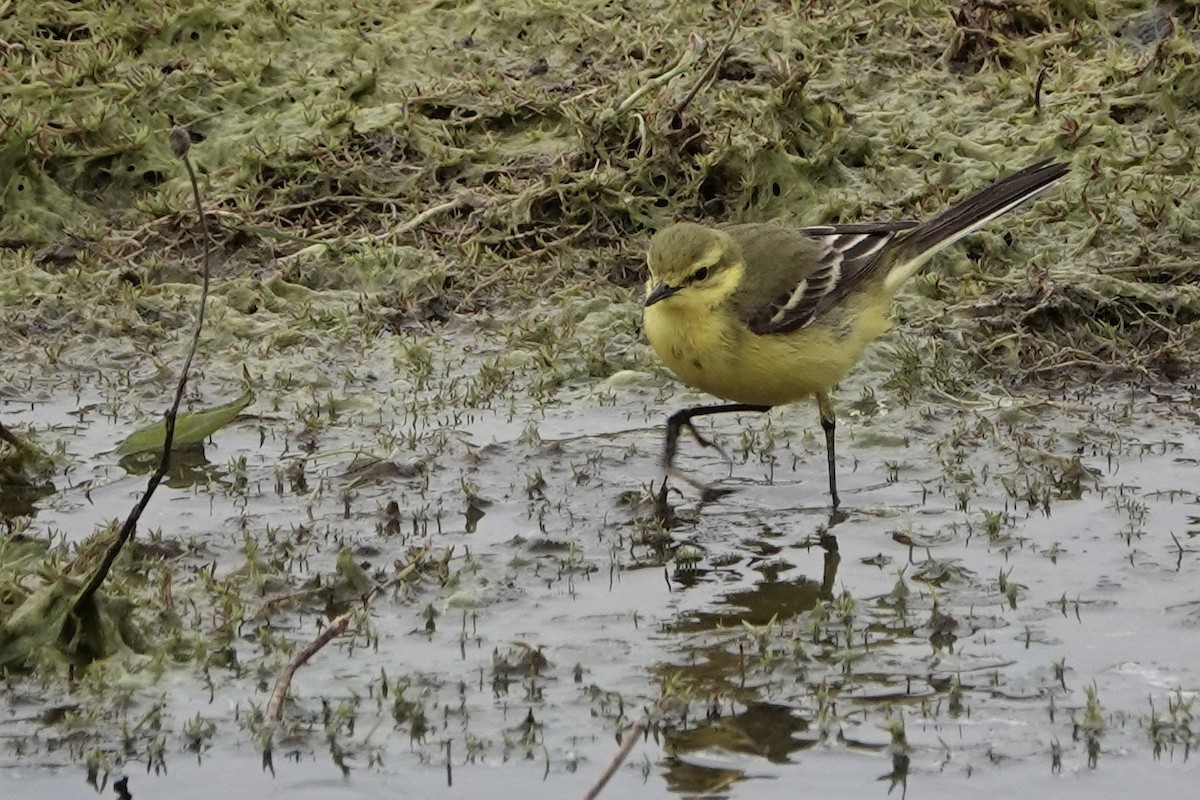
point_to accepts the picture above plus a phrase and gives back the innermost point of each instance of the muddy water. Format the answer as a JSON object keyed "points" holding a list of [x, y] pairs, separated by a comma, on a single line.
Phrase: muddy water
{"points": [[1000, 560]]}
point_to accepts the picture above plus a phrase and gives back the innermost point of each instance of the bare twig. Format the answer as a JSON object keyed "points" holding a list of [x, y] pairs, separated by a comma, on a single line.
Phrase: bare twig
{"points": [[8, 436], [180, 143], [462, 201], [504, 271], [710, 72], [284, 681], [632, 734], [695, 47], [467, 200]]}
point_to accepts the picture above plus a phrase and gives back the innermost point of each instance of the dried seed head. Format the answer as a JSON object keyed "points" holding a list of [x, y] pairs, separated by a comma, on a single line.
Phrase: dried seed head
{"points": [[180, 141]]}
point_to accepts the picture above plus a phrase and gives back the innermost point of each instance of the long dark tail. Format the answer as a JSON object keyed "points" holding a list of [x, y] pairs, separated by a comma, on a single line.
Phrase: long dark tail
{"points": [[919, 245]]}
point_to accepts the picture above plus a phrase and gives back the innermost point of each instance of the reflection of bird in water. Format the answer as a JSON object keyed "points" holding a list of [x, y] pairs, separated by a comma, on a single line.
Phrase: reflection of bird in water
{"points": [[771, 599], [769, 730]]}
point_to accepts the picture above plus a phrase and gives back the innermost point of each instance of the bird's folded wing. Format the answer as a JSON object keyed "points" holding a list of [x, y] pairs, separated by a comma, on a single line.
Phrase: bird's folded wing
{"points": [[811, 269]]}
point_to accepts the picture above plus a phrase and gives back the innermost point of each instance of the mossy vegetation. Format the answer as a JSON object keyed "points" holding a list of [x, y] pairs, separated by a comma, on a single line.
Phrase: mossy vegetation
{"points": [[450, 158]]}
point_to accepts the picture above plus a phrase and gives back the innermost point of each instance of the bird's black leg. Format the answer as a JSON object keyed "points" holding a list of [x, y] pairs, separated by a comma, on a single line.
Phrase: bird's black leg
{"points": [[683, 419], [829, 423], [830, 563]]}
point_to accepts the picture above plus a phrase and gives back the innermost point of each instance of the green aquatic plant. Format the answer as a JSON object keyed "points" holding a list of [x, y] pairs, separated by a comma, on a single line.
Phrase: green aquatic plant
{"points": [[191, 427]]}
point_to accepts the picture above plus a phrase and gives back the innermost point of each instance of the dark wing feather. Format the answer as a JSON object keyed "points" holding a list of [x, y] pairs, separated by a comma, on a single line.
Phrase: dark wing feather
{"points": [[811, 269], [800, 273]]}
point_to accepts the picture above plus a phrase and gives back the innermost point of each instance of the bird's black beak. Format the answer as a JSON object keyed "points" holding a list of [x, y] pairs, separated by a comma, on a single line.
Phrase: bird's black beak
{"points": [[660, 292]]}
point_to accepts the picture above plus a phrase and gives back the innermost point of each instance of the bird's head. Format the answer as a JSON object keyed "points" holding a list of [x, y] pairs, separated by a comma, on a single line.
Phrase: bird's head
{"points": [[692, 265]]}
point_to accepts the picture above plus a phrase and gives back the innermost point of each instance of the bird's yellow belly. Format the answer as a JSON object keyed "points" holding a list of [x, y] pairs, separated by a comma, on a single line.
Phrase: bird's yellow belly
{"points": [[729, 361]]}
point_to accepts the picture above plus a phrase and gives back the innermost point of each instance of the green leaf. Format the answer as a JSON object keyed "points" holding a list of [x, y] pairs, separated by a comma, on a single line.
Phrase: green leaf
{"points": [[190, 428]]}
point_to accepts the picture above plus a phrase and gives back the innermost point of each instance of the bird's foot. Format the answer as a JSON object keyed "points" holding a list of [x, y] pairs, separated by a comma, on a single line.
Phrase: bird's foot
{"points": [[708, 494], [711, 494], [703, 441], [824, 540], [664, 515]]}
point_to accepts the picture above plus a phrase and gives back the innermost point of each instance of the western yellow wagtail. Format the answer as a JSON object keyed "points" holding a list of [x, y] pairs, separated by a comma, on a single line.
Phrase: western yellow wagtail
{"points": [[763, 314]]}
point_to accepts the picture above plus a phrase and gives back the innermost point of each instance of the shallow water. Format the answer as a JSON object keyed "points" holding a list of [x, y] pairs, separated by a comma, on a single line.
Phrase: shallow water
{"points": [[773, 663]]}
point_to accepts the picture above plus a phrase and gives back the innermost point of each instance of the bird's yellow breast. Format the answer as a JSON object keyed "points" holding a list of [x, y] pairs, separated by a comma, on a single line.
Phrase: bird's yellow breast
{"points": [[709, 348]]}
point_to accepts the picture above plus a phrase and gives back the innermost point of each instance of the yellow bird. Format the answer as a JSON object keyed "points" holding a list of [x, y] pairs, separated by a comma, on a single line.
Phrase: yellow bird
{"points": [[763, 314]]}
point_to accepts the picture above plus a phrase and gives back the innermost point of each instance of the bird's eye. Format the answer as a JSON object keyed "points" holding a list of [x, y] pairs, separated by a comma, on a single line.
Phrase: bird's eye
{"points": [[700, 275]]}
